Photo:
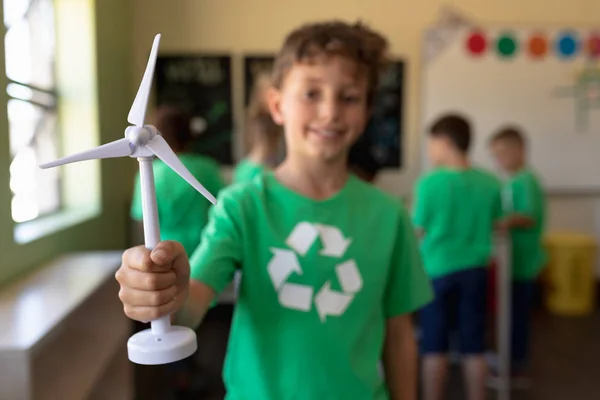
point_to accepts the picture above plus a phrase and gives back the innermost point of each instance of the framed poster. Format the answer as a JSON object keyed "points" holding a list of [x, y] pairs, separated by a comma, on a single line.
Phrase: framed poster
{"points": [[202, 85], [383, 136]]}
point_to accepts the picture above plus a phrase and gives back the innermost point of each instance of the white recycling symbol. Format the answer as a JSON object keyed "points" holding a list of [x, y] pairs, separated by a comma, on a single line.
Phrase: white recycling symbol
{"points": [[300, 297]]}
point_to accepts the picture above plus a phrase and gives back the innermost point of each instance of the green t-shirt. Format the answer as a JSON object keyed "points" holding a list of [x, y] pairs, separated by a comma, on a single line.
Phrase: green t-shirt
{"points": [[246, 170], [182, 211], [526, 197], [456, 209], [319, 279]]}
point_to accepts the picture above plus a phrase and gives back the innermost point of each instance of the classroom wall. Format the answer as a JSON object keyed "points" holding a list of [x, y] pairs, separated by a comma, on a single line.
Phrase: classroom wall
{"points": [[115, 94], [238, 26]]}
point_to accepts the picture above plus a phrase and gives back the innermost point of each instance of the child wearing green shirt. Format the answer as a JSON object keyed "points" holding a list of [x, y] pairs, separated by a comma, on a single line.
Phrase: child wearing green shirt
{"points": [[526, 214], [262, 136], [330, 265], [455, 210]]}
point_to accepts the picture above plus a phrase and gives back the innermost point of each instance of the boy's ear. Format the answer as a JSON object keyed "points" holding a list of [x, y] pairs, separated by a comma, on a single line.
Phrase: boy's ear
{"points": [[274, 104]]}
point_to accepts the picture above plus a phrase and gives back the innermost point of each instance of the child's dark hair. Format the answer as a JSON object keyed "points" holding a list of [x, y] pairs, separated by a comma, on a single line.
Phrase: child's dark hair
{"points": [[455, 128], [355, 41], [174, 123], [259, 127], [509, 134]]}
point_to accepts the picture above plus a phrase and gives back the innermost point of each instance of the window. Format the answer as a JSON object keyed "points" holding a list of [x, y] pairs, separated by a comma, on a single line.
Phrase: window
{"points": [[32, 107]]}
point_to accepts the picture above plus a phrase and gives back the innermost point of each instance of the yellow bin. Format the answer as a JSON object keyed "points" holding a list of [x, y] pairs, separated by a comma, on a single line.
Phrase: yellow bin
{"points": [[570, 274]]}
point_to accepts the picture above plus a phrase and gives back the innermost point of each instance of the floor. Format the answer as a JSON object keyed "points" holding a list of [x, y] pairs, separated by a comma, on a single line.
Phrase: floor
{"points": [[565, 362]]}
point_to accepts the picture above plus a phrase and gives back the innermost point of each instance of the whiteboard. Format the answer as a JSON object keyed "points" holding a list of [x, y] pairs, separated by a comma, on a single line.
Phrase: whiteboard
{"points": [[552, 93]]}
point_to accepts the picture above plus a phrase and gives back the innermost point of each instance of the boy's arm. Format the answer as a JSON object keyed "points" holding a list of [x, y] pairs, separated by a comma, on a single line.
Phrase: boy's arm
{"points": [[516, 220], [199, 299], [523, 213], [214, 262], [420, 207], [400, 358], [408, 289]]}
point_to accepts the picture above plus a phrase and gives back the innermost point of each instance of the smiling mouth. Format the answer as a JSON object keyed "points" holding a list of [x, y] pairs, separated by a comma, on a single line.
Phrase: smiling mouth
{"points": [[327, 133]]}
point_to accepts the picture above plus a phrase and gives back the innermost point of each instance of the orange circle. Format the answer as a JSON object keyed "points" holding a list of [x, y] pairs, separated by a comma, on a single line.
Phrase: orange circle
{"points": [[538, 46], [593, 46]]}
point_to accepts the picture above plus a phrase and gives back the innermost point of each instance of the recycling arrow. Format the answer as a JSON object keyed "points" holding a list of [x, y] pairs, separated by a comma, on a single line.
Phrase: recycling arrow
{"points": [[302, 237], [334, 243], [349, 277], [298, 297], [282, 265], [332, 303]]}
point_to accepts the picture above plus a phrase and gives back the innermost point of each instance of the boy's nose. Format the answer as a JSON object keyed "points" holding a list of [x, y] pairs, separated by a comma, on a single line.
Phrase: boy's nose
{"points": [[330, 111]]}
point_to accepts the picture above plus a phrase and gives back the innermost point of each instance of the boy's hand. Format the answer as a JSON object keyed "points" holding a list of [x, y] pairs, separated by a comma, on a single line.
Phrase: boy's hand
{"points": [[502, 226], [153, 284]]}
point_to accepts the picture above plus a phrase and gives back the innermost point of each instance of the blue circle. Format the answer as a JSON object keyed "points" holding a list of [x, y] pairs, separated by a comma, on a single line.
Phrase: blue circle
{"points": [[567, 44]]}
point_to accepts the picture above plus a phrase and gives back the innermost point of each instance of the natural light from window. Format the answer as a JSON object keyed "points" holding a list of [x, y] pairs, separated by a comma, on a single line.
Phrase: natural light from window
{"points": [[32, 102]]}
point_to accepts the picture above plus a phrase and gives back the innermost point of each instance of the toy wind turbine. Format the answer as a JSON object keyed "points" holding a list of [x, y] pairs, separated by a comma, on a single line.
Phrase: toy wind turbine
{"points": [[162, 343]]}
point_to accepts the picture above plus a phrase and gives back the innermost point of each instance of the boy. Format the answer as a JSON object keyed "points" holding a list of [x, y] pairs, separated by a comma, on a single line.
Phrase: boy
{"points": [[330, 265], [525, 209], [456, 208], [182, 211], [262, 135]]}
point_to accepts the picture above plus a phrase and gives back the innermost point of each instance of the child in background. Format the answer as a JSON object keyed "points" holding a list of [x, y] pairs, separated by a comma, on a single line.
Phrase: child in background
{"points": [[456, 208], [526, 212], [330, 265], [262, 135], [182, 211]]}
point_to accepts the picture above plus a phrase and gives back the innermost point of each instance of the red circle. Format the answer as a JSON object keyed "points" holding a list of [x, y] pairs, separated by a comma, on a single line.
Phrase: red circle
{"points": [[476, 43], [593, 46], [538, 45]]}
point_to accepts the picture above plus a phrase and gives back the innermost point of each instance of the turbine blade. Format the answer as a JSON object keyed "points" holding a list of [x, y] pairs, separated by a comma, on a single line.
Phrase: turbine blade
{"points": [[118, 148], [159, 146], [137, 114]]}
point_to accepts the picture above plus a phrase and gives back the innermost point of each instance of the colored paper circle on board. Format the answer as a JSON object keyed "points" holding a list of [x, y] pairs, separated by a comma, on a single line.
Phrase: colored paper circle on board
{"points": [[567, 44], [507, 45], [476, 43], [538, 45], [593, 45]]}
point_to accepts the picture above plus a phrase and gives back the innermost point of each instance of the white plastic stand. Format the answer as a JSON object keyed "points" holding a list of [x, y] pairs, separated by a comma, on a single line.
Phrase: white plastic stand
{"points": [[162, 343]]}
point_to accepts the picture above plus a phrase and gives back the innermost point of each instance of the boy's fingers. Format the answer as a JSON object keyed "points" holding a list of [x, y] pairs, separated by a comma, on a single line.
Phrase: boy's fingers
{"points": [[135, 279], [138, 258], [166, 252], [147, 314], [135, 297]]}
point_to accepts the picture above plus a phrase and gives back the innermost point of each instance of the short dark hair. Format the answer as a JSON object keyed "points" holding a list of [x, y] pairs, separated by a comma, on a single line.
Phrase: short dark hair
{"points": [[174, 123], [356, 41], [455, 128], [509, 134]]}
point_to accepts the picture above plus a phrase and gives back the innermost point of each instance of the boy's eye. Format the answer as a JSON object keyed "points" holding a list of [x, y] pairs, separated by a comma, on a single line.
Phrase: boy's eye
{"points": [[351, 98], [311, 94]]}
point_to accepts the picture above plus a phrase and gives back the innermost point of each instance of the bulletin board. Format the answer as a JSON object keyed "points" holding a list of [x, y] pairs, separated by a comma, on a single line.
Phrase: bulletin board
{"points": [[544, 80], [384, 132], [202, 85]]}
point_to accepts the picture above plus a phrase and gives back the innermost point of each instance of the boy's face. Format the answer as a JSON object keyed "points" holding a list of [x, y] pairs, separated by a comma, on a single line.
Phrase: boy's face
{"points": [[508, 154], [323, 108], [437, 148]]}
